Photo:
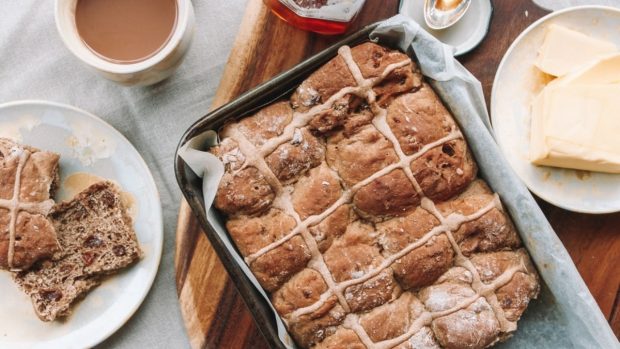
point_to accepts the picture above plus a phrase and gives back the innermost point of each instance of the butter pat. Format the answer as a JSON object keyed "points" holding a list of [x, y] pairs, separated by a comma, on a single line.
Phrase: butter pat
{"points": [[605, 70], [578, 126], [564, 50]]}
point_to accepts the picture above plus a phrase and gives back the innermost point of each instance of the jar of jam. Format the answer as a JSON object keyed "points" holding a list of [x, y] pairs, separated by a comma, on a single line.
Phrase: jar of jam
{"points": [[319, 16]]}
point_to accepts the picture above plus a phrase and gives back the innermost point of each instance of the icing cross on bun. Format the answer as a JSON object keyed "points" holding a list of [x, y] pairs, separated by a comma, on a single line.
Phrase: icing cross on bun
{"points": [[28, 177], [356, 206]]}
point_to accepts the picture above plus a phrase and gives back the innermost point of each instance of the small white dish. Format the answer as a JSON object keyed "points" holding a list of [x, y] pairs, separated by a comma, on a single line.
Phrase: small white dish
{"points": [[150, 71], [74, 133], [465, 34], [517, 82]]}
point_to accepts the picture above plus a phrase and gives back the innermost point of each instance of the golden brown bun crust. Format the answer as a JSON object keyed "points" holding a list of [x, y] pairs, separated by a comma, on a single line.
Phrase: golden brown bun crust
{"points": [[356, 206], [35, 236]]}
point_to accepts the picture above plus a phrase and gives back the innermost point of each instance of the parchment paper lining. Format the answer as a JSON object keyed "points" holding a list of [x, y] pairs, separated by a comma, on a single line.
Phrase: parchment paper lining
{"points": [[566, 315]]}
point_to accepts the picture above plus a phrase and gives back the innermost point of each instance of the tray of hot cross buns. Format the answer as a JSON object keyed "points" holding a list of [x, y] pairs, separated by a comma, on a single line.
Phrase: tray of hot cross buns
{"points": [[359, 200]]}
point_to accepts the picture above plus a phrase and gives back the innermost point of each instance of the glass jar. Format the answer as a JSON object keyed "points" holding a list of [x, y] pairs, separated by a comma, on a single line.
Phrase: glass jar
{"points": [[319, 16]]}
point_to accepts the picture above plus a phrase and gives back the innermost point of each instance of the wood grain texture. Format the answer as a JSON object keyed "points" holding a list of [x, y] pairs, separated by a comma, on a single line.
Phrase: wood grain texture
{"points": [[510, 18], [214, 313], [593, 242]]}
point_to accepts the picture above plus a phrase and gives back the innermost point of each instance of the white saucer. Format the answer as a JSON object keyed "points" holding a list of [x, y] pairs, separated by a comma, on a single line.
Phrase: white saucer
{"points": [[465, 34], [74, 133], [517, 82]]}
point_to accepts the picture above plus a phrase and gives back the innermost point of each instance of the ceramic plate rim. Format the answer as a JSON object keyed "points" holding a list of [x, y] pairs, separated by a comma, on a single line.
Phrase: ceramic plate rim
{"points": [[494, 119], [158, 231]]}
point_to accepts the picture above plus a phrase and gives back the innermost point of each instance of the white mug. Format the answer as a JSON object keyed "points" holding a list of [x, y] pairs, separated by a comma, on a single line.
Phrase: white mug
{"points": [[147, 72]]}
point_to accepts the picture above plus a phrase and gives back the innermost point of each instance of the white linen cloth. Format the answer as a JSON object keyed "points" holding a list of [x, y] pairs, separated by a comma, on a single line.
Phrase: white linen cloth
{"points": [[34, 64]]}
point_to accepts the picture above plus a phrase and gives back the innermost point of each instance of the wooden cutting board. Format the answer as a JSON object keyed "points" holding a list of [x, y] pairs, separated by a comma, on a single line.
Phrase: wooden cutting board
{"points": [[214, 313]]}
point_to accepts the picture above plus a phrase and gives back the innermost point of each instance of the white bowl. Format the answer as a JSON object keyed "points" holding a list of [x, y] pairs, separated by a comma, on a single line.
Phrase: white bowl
{"points": [[516, 84], [147, 72]]}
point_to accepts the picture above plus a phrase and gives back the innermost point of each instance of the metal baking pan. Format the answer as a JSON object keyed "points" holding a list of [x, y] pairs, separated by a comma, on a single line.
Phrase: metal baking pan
{"points": [[564, 316]]}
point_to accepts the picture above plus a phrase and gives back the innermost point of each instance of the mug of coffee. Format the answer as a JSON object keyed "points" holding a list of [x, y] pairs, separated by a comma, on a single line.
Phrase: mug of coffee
{"points": [[132, 42]]}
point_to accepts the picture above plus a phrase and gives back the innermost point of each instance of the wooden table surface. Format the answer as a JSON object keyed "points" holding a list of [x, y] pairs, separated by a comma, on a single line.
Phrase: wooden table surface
{"points": [[214, 313]]}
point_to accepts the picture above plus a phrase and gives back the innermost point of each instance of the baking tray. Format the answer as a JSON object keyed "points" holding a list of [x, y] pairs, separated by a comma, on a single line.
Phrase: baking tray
{"points": [[560, 319]]}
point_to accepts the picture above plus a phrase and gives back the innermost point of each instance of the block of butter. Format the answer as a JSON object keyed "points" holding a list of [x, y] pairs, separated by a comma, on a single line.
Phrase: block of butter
{"points": [[564, 49], [576, 119]]}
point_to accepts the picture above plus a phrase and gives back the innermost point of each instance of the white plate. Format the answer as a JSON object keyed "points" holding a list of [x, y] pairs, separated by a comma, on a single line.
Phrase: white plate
{"points": [[58, 127], [465, 34], [517, 82]]}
